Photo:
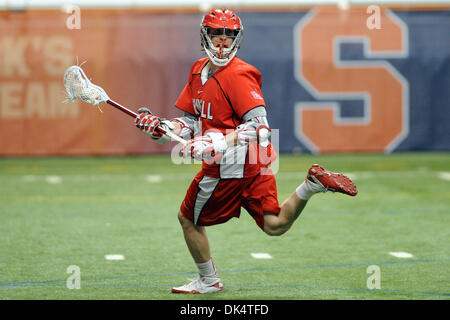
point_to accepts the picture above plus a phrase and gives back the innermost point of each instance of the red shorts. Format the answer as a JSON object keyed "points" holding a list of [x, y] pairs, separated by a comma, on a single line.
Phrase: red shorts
{"points": [[211, 201]]}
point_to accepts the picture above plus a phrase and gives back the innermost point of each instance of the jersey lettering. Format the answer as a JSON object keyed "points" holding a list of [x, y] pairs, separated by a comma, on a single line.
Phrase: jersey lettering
{"points": [[209, 116], [199, 108]]}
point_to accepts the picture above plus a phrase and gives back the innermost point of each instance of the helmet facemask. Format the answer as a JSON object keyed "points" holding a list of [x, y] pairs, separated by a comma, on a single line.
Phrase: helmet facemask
{"points": [[219, 53]]}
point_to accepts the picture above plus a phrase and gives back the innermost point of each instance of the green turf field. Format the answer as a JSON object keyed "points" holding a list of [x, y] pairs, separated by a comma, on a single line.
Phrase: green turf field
{"points": [[58, 212]]}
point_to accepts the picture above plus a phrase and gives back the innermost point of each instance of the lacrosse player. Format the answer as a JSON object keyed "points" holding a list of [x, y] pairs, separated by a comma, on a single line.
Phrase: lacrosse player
{"points": [[223, 95]]}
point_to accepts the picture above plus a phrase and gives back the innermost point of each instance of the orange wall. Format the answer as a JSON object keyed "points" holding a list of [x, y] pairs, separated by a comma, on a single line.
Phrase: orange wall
{"points": [[139, 59]]}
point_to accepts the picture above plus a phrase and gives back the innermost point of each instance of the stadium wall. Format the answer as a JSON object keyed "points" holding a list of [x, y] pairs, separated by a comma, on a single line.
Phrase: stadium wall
{"points": [[332, 80]]}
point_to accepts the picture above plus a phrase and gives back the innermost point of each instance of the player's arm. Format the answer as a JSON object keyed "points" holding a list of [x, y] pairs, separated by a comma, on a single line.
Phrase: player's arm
{"points": [[251, 130], [255, 128]]}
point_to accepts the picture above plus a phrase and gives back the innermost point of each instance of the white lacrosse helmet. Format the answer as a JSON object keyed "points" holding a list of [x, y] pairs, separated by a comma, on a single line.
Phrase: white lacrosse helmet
{"points": [[221, 20]]}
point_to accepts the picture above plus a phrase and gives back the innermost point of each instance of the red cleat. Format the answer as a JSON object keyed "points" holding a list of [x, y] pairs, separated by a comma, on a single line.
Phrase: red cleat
{"points": [[331, 181]]}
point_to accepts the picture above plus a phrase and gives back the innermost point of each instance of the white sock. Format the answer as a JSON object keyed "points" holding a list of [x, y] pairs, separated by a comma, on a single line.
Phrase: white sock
{"points": [[307, 189], [303, 192], [207, 269]]}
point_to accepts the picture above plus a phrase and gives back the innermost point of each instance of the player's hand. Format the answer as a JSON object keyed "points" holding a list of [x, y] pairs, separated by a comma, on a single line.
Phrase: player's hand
{"points": [[199, 148], [148, 123], [208, 147], [202, 148]]}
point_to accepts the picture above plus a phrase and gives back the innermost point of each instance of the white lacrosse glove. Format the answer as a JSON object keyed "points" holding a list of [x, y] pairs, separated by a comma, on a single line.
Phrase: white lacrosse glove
{"points": [[218, 141], [148, 123], [208, 147]]}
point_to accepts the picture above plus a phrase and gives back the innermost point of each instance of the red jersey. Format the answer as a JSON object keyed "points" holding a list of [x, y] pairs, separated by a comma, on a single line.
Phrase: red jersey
{"points": [[220, 102]]}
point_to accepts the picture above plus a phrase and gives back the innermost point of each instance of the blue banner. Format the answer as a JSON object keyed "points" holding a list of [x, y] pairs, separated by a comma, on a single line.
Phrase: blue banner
{"points": [[334, 82]]}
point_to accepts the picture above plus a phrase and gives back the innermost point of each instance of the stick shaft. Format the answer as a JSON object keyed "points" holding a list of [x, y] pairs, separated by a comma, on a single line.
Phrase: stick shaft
{"points": [[134, 115], [122, 108]]}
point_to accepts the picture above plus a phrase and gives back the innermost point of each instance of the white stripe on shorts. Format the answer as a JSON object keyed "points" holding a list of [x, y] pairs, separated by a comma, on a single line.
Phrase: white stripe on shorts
{"points": [[207, 186]]}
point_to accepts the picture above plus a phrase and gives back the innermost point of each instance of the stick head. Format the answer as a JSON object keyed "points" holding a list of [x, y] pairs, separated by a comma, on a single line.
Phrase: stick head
{"points": [[78, 86]]}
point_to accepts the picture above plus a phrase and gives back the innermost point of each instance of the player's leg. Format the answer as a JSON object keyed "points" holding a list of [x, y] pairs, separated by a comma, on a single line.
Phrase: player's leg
{"points": [[208, 201], [318, 180], [290, 209], [196, 239], [198, 245]]}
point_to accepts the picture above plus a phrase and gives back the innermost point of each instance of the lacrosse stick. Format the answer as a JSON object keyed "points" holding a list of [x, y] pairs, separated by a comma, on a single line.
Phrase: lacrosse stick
{"points": [[78, 86]]}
